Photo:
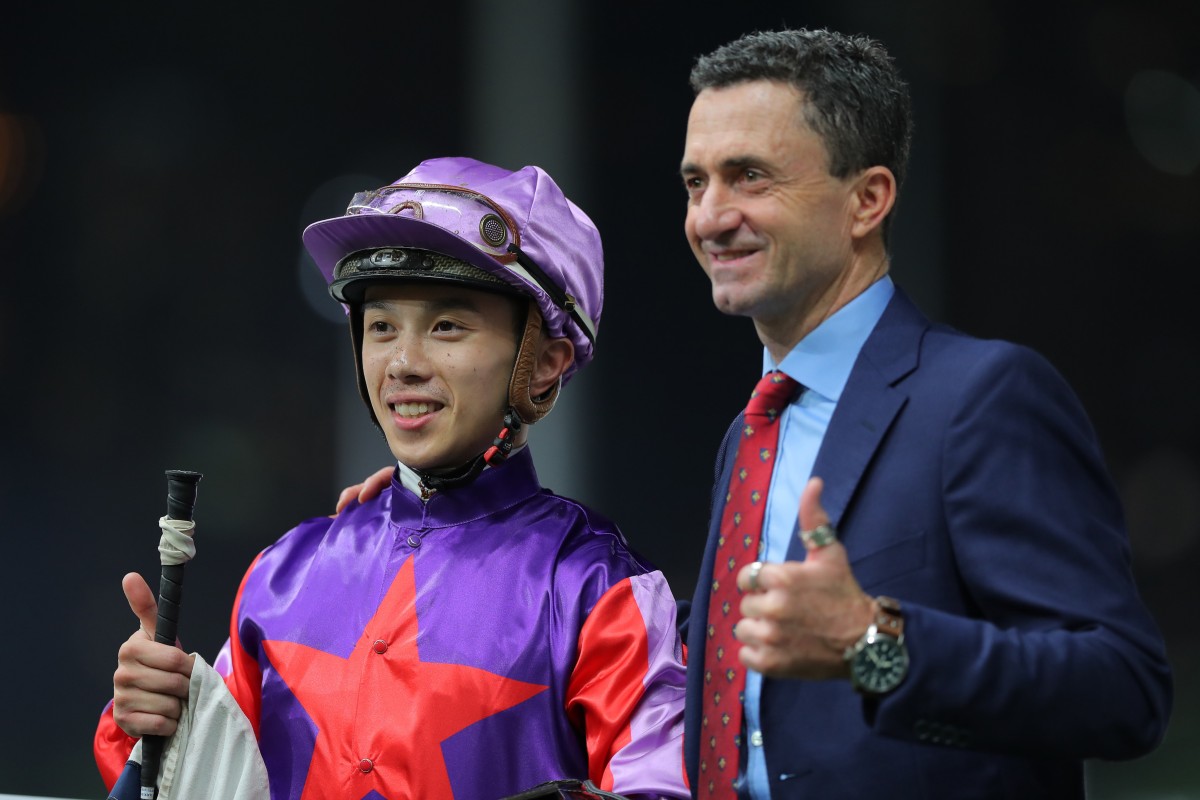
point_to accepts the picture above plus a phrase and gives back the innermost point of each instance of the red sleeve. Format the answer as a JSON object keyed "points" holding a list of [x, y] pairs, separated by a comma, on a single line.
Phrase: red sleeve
{"points": [[627, 690], [111, 747], [242, 674], [607, 683]]}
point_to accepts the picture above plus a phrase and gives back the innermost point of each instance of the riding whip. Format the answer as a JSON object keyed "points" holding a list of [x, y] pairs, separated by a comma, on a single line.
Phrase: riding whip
{"points": [[175, 548]]}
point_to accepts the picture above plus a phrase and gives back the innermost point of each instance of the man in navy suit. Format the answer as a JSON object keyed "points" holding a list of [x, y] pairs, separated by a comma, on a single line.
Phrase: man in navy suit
{"points": [[958, 618]]}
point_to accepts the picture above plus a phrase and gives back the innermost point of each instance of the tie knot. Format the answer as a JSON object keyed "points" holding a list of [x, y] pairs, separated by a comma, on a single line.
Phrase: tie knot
{"points": [[772, 393]]}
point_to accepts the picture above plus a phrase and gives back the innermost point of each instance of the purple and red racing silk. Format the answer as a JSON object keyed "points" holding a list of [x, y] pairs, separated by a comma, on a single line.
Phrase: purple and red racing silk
{"points": [[472, 646]]}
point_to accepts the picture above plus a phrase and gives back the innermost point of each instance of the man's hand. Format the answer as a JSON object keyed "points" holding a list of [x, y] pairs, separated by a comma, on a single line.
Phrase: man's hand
{"points": [[366, 490], [152, 679], [803, 614]]}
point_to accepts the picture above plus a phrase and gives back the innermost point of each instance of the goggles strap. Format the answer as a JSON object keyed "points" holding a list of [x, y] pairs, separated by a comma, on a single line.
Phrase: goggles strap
{"points": [[558, 295]]}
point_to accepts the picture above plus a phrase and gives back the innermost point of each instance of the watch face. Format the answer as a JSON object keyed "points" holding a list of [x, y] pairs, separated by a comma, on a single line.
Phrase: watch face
{"points": [[880, 665]]}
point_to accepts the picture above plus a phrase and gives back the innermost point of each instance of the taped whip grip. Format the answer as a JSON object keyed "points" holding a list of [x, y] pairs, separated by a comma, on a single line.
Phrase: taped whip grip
{"points": [[181, 499]]}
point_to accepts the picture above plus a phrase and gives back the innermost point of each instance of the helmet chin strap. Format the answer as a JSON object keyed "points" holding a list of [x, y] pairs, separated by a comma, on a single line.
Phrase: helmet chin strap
{"points": [[460, 476], [523, 409], [494, 456]]}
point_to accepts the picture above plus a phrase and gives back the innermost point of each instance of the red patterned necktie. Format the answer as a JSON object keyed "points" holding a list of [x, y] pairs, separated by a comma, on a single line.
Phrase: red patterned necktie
{"points": [[741, 528]]}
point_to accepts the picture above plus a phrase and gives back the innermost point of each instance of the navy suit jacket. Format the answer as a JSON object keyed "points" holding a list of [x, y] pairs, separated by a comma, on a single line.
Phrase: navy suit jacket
{"points": [[965, 480]]}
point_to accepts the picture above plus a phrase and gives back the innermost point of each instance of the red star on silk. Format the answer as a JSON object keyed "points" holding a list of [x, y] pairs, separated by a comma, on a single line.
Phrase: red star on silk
{"points": [[382, 713]]}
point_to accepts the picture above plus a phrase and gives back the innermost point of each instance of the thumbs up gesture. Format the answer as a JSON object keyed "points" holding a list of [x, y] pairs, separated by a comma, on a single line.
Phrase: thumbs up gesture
{"points": [[800, 616], [151, 678]]}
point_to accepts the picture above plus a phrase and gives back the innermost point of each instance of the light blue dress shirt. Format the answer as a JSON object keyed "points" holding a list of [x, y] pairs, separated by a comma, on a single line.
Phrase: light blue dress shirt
{"points": [[821, 363]]}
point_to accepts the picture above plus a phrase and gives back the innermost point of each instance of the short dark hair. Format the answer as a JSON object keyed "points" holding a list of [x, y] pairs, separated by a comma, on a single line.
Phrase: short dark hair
{"points": [[856, 101]]}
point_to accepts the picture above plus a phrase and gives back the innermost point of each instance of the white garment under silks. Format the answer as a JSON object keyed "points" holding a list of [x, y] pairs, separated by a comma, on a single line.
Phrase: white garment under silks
{"points": [[213, 753]]}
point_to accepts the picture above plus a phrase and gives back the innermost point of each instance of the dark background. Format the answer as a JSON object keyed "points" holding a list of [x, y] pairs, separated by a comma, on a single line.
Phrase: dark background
{"points": [[158, 162]]}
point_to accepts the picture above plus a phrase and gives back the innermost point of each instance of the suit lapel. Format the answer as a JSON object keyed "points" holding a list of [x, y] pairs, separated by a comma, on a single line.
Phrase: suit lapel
{"points": [[699, 609], [868, 405]]}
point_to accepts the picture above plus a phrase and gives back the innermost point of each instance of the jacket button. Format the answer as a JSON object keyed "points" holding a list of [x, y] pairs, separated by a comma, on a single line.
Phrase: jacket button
{"points": [[380, 646]]}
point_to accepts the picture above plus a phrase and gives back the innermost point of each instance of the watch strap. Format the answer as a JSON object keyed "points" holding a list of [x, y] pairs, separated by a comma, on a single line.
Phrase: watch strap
{"points": [[889, 619]]}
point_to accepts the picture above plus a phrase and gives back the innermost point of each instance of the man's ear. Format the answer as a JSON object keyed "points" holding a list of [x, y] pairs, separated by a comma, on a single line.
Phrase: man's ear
{"points": [[874, 197], [553, 358]]}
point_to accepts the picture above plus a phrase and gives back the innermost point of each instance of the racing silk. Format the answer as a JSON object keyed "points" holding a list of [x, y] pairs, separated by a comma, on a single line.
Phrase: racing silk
{"points": [[472, 646]]}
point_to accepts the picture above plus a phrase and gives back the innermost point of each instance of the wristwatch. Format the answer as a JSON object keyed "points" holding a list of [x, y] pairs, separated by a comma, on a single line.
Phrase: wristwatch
{"points": [[879, 660]]}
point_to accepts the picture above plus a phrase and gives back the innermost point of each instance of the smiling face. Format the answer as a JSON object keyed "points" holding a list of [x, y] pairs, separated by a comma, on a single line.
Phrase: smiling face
{"points": [[437, 359], [767, 222]]}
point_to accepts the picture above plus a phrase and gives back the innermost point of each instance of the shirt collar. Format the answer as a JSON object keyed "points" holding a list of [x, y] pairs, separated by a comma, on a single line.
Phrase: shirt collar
{"points": [[495, 489], [408, 479], [823, 359]]}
